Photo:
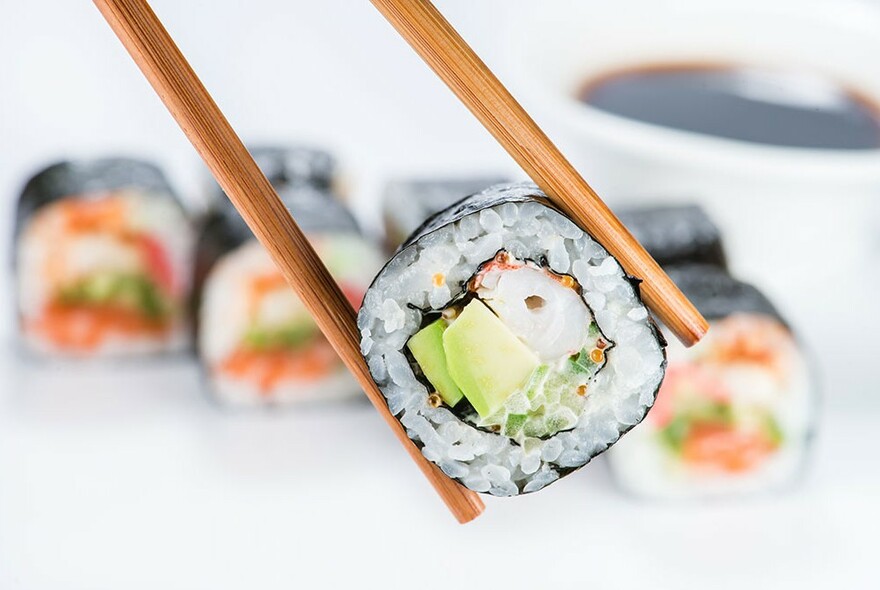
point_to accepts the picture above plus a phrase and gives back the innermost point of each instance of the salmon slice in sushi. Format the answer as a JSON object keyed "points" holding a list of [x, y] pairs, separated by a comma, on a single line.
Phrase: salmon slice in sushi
{"points": [[509, 343], [102, 260], [258, 344], [736, 413]]}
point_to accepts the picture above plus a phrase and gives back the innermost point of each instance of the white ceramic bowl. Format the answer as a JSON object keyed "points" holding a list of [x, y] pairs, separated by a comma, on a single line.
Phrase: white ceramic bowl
{"points": [[802, 223], [559, 45]]}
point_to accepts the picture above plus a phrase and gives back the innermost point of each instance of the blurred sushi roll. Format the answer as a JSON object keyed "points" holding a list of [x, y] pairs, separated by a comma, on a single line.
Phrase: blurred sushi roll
{"points": [[289, 167], [736, 412], [257, 342], [675, 234], [297, 165], [407, 203], [509, 343], [102, 260]]}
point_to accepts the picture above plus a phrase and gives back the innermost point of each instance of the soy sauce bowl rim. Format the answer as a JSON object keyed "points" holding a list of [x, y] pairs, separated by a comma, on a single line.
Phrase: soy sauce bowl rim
{"points": [[561, 105], [667, 143]]}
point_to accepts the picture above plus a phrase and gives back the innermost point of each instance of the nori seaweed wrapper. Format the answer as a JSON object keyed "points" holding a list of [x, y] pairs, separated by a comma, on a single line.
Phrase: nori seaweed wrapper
{"points": [[289, 167], [293, 165], [84, 177], [407, 203], [717, 295], [675, 234]]}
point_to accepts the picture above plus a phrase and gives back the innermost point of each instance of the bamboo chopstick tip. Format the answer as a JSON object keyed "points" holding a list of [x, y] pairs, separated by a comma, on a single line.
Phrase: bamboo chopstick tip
{"points": [[694, 332], [474, 509]]}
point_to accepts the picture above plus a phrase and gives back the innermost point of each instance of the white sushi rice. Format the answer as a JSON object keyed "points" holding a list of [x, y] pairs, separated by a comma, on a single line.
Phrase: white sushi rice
{"points": [[619, 398]]}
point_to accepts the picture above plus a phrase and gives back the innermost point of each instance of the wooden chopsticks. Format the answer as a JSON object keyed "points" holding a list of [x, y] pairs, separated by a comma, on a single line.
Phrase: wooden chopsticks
{"points": [[434, 39], [192, 107], [454, 61]]}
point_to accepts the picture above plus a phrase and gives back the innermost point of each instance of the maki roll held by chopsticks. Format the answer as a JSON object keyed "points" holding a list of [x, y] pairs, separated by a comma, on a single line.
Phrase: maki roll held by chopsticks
{"points": [[509, 343]]}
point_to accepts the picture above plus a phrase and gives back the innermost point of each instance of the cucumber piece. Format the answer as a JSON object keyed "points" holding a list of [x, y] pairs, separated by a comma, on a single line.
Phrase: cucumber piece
{"points": [[536, 381], [514, 424]]}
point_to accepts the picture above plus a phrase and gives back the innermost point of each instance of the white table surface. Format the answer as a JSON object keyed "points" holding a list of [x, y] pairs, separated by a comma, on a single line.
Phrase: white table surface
{"points": [[127, 476]]}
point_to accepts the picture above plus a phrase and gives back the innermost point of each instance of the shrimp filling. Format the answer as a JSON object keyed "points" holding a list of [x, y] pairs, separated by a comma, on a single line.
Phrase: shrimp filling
{"points": [[516, 353]]}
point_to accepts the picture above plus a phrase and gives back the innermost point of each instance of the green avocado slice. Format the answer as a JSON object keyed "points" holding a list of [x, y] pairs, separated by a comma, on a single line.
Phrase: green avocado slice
{"points": [[485, 359], [426, 346]]}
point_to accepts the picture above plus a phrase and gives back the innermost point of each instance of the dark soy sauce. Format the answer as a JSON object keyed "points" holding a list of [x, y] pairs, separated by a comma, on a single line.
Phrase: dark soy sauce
{"points": [[776, 107]]}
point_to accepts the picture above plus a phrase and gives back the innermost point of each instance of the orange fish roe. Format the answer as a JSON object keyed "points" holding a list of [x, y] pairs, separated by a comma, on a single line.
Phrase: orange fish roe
{"points": [[438, 279], [597, 356], [582, 390], [567, 281]]}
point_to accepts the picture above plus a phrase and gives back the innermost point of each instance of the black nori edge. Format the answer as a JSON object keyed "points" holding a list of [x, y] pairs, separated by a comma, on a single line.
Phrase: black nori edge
{"points": [[717, 295], [297, 164], [84, 177], [223, 229], [288, 169], [675, 234]]}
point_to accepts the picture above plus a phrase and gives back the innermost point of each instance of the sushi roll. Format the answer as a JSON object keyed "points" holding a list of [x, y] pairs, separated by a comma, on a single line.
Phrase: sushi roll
{"points": [[407, 203], [511, 346], [102, 260], [675, 234], [735, 413], [257, 342], [289, 168], [297, 165]]}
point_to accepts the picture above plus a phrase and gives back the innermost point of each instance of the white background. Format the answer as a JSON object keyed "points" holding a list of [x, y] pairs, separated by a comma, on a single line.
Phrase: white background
{"points": [[127, 477]]}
